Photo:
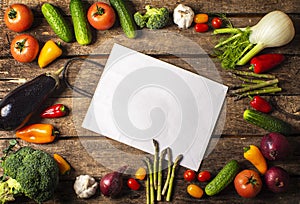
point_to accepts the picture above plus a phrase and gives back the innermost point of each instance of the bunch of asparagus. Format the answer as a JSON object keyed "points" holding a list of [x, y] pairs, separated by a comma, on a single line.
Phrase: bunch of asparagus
{"points": [[254, 84], [155, 175]]}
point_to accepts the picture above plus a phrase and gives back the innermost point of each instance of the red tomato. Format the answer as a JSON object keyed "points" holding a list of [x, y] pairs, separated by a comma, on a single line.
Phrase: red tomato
{"points": [[204, 176], [201, 27], [24, 48], [189, 175], [101, 16], [133, 184], [18, 17], [248, 183], [216, 22]]}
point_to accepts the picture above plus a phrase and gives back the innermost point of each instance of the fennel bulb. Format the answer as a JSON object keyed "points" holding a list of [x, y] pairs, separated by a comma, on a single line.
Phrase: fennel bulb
{"points": [[275, 29]]}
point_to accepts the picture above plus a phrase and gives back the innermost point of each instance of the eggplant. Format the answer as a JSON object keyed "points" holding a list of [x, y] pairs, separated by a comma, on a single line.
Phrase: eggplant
{"points": [[20, 104]]}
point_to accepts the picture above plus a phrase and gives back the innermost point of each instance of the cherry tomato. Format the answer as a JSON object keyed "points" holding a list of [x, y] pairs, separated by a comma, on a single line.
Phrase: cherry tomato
{"points": [[194, 191], [101, 16], [204, 176], [201, 27], [201, 18], [24, 48], [140, 174], [216, 22], [189, 175], [18, 17], [133, 184], [248, 183]]}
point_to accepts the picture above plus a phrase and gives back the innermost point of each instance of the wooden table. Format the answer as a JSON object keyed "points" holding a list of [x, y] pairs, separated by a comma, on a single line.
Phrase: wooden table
{"points": [[75, 143]]}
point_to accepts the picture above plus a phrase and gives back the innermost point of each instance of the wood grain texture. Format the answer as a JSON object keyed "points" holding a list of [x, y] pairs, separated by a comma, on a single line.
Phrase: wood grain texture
{"points": [[90, 153]]}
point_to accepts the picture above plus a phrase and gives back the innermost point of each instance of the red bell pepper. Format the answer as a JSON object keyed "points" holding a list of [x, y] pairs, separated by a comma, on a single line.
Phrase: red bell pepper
{"points": [[55, 111], [265, 62], [260, 104]]}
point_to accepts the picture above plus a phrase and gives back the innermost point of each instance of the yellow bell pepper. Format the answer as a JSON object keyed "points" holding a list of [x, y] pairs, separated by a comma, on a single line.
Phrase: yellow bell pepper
{"points": [[49, 53], [254, 155], [63, 165]]}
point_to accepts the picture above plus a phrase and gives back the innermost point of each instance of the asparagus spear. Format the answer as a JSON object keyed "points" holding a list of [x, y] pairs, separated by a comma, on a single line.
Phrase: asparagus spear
{"points": [[244, 73], [159, 182], [177, 160], [150, 175], [155, 160], [255, 86], [258, 92], [169, 171], [147, 190]]}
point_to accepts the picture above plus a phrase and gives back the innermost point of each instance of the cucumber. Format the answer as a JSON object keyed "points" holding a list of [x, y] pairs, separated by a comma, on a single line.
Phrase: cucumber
{"points": [[82, 28], [125, 18], [267, 122], [56, 21], [223, 178]]}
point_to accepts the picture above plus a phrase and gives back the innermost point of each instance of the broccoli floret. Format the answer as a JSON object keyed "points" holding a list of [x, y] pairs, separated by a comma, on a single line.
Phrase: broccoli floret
{"points": [[8, 190], [35, 171], [154, 18]]}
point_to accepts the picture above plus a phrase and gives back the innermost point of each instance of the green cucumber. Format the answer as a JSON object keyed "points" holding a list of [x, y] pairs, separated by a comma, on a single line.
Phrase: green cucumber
{"points": [[82, 28], [125, 18], [56, 21], [223, 178], [267, 122]]}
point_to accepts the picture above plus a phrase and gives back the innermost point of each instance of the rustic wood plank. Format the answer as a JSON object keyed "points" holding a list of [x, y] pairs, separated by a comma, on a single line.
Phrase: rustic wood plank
{"points": [[209, 7], [101, 154], [152, 42], [234, 124], [13, 73], [223, 151]]}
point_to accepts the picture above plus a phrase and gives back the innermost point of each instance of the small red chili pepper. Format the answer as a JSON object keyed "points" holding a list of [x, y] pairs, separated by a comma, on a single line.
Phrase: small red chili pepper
{"points": [[55, 111], [260, 104], [265, 62]]}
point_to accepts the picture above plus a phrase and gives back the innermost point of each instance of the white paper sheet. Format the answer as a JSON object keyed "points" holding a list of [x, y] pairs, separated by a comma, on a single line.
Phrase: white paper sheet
{"points": [[140, 98]]}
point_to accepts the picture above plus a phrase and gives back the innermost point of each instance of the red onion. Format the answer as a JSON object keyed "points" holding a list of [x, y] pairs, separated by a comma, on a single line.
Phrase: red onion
{"points": [[277, 179], [274, 146], [111, 184]]}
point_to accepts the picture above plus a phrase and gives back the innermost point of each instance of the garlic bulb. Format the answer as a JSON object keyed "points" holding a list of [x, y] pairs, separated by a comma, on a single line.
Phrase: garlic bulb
{"points": [[273, 30]]}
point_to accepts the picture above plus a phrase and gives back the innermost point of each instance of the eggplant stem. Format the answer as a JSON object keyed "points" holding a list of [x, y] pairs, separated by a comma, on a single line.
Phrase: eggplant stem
{"points": [[57, 73]]}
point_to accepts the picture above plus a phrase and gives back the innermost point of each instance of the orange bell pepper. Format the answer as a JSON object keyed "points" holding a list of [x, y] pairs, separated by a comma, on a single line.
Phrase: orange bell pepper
{"points": [[38, 133], [63, 165], [49, 53], [254, 155]]}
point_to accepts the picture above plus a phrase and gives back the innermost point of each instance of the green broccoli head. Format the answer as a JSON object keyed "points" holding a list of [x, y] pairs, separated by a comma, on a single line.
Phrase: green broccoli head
{"points": [[35, 170], [154, 18]]}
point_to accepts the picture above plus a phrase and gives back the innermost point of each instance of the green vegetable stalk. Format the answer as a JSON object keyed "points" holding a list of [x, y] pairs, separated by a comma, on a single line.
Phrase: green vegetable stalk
{"points": [[155, 161], [159, 182], [169, 194], [255, 86], [169, 171], [151, 184]]}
